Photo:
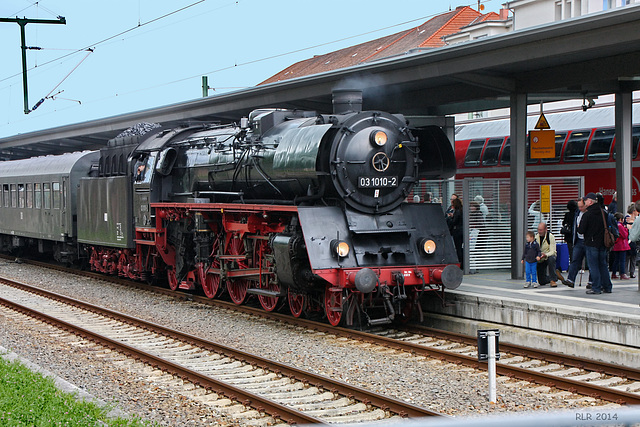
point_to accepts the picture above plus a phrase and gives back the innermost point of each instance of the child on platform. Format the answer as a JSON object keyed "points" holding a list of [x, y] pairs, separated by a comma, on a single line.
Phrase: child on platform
{"points": [[530, 259]]}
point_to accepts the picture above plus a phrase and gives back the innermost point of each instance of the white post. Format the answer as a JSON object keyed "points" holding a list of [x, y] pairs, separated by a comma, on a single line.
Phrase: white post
{"points": [[491, 347]]}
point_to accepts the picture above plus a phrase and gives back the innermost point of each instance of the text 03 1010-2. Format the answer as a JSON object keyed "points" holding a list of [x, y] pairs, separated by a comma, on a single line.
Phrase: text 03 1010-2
{"points": [[377, 181]]}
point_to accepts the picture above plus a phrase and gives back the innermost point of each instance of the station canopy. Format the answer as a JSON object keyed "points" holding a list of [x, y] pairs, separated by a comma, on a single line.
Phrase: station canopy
{"points": [[587, 56]]}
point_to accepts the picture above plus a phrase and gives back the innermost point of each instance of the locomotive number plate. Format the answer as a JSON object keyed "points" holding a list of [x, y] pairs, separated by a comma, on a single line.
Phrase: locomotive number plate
{"points": [[377, 181]]}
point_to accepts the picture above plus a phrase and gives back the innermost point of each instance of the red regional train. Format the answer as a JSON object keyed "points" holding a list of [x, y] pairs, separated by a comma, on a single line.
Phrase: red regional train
{"points": [[585, 146]]}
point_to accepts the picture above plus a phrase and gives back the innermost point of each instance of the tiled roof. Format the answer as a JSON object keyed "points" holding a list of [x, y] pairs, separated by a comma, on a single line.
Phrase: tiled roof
{"points": [[427, 35]]}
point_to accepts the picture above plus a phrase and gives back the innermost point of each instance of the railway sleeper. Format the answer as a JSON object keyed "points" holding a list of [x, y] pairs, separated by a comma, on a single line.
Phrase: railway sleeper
{"points": [[275, 385], [355, 408], [375, 415], [296, 402]]}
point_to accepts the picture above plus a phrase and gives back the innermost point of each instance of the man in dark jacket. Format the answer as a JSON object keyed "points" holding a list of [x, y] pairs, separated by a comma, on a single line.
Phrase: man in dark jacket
{"points": [[592, 227]]}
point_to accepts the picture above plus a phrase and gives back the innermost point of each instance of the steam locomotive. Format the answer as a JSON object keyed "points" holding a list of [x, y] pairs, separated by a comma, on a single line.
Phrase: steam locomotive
{"points": [[295, 208]]}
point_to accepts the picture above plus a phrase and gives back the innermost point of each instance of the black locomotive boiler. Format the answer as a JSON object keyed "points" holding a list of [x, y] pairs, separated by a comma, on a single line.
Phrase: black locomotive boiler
{"points": [[293, 207]]}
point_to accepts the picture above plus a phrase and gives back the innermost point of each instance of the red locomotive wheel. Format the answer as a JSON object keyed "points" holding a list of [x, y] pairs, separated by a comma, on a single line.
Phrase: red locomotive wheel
{"points": [[297, 303], [94, 261], [261, 251], [211, 283], [209, 279], [173, 280], [269, 303], [333, 305], [237, 288]]}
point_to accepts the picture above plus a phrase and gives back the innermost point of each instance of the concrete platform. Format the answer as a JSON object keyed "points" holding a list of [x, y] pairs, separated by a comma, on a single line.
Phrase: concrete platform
{"points": [[594, 326]]}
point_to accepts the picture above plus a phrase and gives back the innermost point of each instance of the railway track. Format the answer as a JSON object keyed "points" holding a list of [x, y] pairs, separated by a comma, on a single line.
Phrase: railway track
{"points": [[577, 375], [284, 392]]}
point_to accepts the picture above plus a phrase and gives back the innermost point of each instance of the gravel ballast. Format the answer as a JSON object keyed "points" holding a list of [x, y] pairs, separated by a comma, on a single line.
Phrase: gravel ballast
{"points": [[436, 385]]}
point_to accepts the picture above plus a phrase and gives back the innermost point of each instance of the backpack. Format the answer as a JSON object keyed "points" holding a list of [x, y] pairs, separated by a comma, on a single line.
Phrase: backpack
{"points": [[613, 225]]}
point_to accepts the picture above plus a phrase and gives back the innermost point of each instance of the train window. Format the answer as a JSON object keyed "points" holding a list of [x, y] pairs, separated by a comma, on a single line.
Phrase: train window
{"points": [[29, 196], [635, 139], [21, 196], [46, 193], [506, 153], [576, 145], [56, 195], [37, 193], [14, 196], [474, 152], [600, 146], [491, 152], [5, 195], [560, 137]]}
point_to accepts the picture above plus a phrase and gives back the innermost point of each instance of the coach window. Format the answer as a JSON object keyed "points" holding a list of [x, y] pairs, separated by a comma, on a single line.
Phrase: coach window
{"points": [[506, 153], [29, 196], [635, 139], [600, 146], [491, 152], [37, 193], [474, 152], [46, 192], [5, 195], [560, 137], [21, 196], [576, 145], [14, 196], [56, 195]]}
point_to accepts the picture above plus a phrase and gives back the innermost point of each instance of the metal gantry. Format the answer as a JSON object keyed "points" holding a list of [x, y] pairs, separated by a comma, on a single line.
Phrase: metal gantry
{"points": [[23, 23]]}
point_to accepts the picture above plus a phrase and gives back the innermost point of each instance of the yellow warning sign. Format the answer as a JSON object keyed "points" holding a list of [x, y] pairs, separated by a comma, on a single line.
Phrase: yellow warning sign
{"points": [[543, 144], [545, 198], [542, 122]]}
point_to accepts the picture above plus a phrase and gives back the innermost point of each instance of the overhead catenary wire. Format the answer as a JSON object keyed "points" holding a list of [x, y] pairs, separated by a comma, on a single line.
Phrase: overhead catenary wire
{"points": [[198, 75], [89, 52], [93, 45], [37, 4]]}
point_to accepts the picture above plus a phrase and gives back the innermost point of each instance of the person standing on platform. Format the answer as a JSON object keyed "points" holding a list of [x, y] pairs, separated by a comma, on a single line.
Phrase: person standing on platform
{"points": [[579, 251], [530, 258], [450, 209], [629, 220], [592, 226], [567, 225], [620, 249], [547, 262], [482, 206], [613, 206], [454, 221], [427, 197]]}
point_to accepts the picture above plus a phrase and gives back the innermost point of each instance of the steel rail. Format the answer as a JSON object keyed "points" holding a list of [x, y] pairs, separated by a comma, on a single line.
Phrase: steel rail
{"points": [[567, 384], [249, 399], [534, 353], [395, 406]]}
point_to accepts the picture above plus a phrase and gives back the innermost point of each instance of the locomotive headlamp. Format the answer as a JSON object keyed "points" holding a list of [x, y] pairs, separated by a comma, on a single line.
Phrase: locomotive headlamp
{"points": [[340, 248], [428, 246], [378, 138]]}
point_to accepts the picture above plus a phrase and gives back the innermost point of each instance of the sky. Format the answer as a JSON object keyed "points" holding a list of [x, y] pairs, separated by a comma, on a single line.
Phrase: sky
{"points": [[150, 53]]}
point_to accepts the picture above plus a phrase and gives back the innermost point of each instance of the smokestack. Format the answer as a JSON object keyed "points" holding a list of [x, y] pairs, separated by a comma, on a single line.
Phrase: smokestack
{"points": [[346, 101]]}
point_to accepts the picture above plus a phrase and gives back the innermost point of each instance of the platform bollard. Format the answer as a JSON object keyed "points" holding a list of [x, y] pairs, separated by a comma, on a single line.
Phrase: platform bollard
{"points": [[488, 350], [492, 366]]}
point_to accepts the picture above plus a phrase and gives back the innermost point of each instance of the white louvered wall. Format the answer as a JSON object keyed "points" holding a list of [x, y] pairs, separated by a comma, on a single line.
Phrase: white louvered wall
{"points": [[490, 236]]}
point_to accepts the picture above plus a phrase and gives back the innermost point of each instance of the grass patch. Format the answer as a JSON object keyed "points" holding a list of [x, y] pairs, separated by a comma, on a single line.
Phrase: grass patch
{"points": [[28, 398]]}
